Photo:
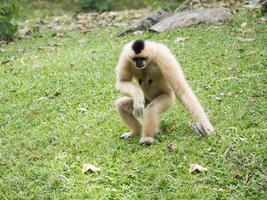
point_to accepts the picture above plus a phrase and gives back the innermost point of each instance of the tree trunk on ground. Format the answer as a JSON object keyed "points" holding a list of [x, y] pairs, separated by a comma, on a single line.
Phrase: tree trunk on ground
{"points": [[146, 22], [192, 17]]}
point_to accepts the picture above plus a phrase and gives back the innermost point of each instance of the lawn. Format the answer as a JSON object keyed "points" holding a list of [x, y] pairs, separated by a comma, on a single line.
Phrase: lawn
{"points": [[45, 139]]}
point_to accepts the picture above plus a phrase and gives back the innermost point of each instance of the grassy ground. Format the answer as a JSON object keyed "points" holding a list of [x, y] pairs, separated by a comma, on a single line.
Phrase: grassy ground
{"points": [[45, 140]]}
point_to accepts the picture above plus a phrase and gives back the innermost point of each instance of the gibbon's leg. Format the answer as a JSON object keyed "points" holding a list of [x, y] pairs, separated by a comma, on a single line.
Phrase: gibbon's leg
{"points": [[152, 117], [124, 106]]}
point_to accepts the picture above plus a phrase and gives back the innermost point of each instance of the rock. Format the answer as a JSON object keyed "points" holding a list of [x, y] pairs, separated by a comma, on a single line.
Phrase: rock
{"points": [[263, 4], [146, 22], [192, 17]]}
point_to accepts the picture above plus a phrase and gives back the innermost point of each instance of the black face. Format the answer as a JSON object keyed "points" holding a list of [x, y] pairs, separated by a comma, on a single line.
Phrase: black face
{"points": [[139, 62]]}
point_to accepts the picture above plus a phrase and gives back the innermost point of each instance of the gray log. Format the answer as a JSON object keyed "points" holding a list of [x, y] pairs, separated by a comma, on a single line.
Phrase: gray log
{"points": [[192, 17], [146, 22]]}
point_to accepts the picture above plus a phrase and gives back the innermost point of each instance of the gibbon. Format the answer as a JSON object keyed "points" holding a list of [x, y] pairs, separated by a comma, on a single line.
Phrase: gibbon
{"points": [[159, 78]]}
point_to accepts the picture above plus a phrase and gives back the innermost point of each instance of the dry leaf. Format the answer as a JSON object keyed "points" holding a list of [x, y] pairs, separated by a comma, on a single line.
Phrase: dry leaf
{"points": [[5, 62], [197, 168], [217, 98], [60, 35], [46, 96], [246, 39], [172, 147], [168, 129], [138, 32], [244, 24], [180, 39], [90, 168], [82, 110], [24, 31], [262, 19]]}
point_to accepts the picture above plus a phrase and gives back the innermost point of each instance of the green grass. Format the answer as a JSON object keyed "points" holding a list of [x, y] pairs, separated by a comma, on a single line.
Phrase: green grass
{"points": [[45, 140]]}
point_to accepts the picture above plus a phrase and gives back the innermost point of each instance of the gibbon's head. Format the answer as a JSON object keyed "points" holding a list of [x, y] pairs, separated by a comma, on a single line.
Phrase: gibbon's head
{"points": [[139, 54]]}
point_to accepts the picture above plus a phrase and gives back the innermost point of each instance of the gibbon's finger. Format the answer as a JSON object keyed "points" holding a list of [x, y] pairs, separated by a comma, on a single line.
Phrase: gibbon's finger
{"points": [[207, 130], [138, 112], [200, 129]]}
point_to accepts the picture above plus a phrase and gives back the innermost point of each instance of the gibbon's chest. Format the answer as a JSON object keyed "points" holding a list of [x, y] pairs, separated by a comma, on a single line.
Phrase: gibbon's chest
{"points": [[147, 77]]}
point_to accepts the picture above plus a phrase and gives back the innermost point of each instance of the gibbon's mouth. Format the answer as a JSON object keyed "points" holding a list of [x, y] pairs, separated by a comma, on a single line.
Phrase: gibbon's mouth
{"points": [[140, 67], [139, 62]]}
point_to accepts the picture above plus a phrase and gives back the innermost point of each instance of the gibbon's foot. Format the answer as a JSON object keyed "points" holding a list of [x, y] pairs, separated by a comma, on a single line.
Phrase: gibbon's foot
{"points": [[127, 135], [204, 130], [146, 141]]}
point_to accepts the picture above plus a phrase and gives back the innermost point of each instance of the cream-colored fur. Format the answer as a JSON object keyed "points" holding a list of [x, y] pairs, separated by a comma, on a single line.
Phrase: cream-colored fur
{"points": [[162, 79]]}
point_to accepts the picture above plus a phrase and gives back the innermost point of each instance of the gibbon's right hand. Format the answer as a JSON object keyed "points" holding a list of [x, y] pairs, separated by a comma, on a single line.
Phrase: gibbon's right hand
{"points": [[139, 106], [204, 129]]}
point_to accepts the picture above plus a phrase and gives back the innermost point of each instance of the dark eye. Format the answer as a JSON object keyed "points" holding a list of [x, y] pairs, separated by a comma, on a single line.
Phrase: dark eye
{"points": [[138, 58]]}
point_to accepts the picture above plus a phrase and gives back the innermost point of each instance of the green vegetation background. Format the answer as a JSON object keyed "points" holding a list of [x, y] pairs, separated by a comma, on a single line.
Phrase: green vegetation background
{"points": [[45, 140]]}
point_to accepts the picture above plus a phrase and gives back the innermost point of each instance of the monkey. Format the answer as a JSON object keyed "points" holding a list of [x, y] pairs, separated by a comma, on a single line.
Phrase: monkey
{"points": [[159, 81]]}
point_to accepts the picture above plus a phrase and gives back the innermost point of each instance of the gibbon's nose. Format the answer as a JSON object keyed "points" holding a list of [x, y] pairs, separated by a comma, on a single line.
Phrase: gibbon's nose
{"points": [[139, 64]]}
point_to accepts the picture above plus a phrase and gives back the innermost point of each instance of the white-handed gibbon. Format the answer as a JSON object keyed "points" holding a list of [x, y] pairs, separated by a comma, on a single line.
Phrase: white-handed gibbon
{"points": [[160, 78]]}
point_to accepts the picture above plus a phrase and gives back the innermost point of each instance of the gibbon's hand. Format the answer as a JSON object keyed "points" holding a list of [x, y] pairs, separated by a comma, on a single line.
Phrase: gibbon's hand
{"points": [[203, 128], [139, 105]]}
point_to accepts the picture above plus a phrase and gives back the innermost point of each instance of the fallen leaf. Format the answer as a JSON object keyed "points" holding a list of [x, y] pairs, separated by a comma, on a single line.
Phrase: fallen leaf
{"points": [[24, 31], [180, 39], [46, 96], [172, 147], [5, 62], [207, 87], [42, 98], [262, 19], [83, 41], [246, 39], [56, 94], [217, 98], [197, 168], [35, 66], [244, 24], [49, 47], [82, 110], [21, 50], [138, 32], [90, 168], [168, 129], [60, 35], [2, 50], [217, 27]]}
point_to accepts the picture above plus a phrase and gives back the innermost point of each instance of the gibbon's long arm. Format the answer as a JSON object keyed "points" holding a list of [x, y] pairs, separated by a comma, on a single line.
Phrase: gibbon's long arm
{"points": [[124, 81], [173, 73]]}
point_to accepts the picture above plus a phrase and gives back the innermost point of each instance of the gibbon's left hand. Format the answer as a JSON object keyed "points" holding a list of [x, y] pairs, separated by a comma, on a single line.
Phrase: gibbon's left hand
{"points": [[203, 129], [139, 106]]}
